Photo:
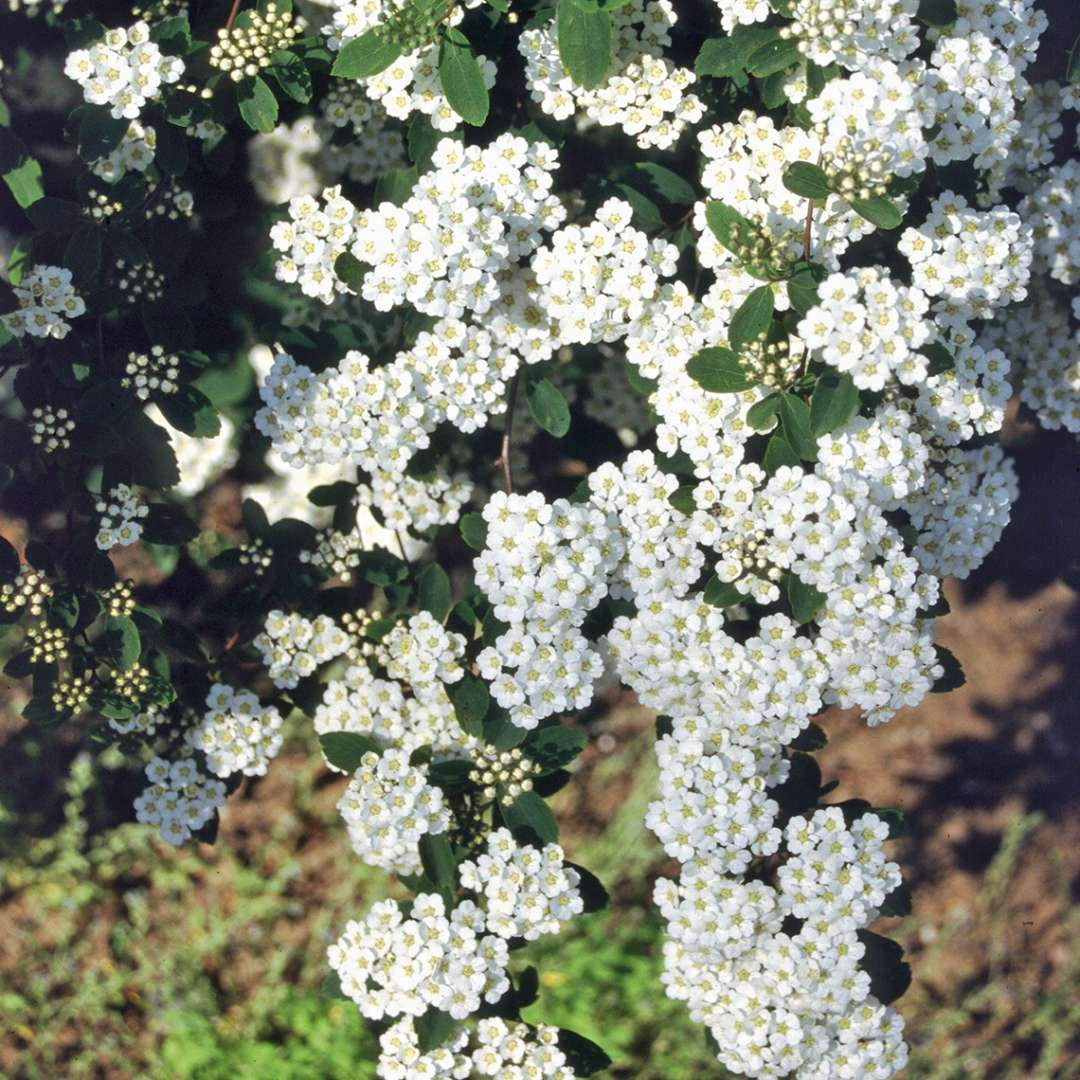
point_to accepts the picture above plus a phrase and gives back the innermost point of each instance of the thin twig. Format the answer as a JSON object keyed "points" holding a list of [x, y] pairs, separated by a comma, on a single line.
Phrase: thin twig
{"points": [[401, 544], [808, 231], [232, 14], [508, 430]]}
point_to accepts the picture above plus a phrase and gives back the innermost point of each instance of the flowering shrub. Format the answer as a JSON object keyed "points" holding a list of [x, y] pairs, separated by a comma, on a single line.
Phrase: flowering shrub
{"points": [[422, 370]]}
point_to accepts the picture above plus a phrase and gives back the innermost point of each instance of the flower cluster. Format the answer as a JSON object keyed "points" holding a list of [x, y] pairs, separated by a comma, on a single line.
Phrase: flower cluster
{"points": [[51, 428], [136, 151], [46, 299], [526, 891], [121, 512], [244, 50], [154, 373], [292, 647], [392, 965], [644, 94], [387, 807], [124, 70], [179, 799], [237, 733], [29, 590]]}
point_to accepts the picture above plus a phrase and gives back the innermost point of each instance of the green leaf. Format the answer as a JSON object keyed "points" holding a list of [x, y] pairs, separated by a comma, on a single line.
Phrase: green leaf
{"points": [[548, 407], [669, 185], [941, 360], [529, 812], [593, 893], [583, 1056], [809, 181], [433, 1028], [474, 530], [726, 57], [345, 749], [773, 57], [82, 253], [937, 12], [802, 286], [728, 226], [795, 424], [395, 185], [462, 79], [365, 56], [752, 319], [953, 677], [258, 106], [172, 34], [189, 410], [24, 182], [9, 561], [811, 738], [433, 591], [64, 609], [553, 747], [898, 903], [120, 642], [805, 600], [761, 416], [168, 524], [437, 858], [584, 38], [721, 594], [471, 701], [291, 74], [718, 370], [682, 498], [880, 211], [883, 961], [1072, 66], [56, 215], [647, 216], [834, 402], [778, 453]]}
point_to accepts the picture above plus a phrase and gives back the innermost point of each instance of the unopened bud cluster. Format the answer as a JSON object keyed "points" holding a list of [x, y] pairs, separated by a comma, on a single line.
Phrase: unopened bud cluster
{"points": [[73, 693], [50, 428], [412, 26], [173, 203], [48, 645], [103, 205], [246, 50], [769, 363], [132, 684], [760, 256], [156, 372], [139, 283], [356, 626], [336, 553], [29, 590], [256, 555], [856, 173], [119, 599], [502, 774]]}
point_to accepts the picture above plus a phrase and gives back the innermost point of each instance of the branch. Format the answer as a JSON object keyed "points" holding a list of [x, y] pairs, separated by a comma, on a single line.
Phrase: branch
{"points": [[508, 430], [807, 232]]}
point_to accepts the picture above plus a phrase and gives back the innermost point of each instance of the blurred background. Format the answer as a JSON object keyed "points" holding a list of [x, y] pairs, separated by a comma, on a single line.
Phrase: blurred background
{"points": [[121, 957]]}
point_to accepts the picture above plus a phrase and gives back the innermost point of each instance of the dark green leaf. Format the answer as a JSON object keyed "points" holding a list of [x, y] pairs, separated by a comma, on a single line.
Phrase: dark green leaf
{"points": [[898, 902], [883, 961], [471, 701], [433, 1029], [937, 12], [773, 57], [810, 739], [462, 79], [808, 180], [591, 888], [953, 677], [761, 416], [1072, 66], [803, 284], [120, 642], [189, 410], [437, 858], [718, 370], [64, 609], [9, 562], [721, 594], [258, 106], [365, 56], [553, 747], [647, 216], [82, 254], [548, 407], [834, 402], [345, 749], [727, 57], [56, 215], [583, 1056], [395, 186], [291, 75], [805, 600], [941, 360], [795, 424], [682, 498], [149, 453], [669, 185], [433, 591], [778, 453], [529, 812], [584, 38], [879, 210], [752, 318], [474, 530]]}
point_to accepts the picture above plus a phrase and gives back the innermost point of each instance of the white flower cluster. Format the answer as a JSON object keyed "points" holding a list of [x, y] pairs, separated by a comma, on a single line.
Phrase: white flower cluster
{"points": [[292, 647], [136, 151], [392, 965], [156, 372], [526, 891], [408, 502], [46, 299], [849, 32], [976, 261], [387, 807], [373, 146], [1052, 209], [424, 654], [869, 326], [970, 398], [507, 1050], [545, 566], [179, 800], [411, 83], [51, 428], [124, 70], [237, 733], [788, 1002], [121, 512], [645, 94], [313, 238], [594, 280]]}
